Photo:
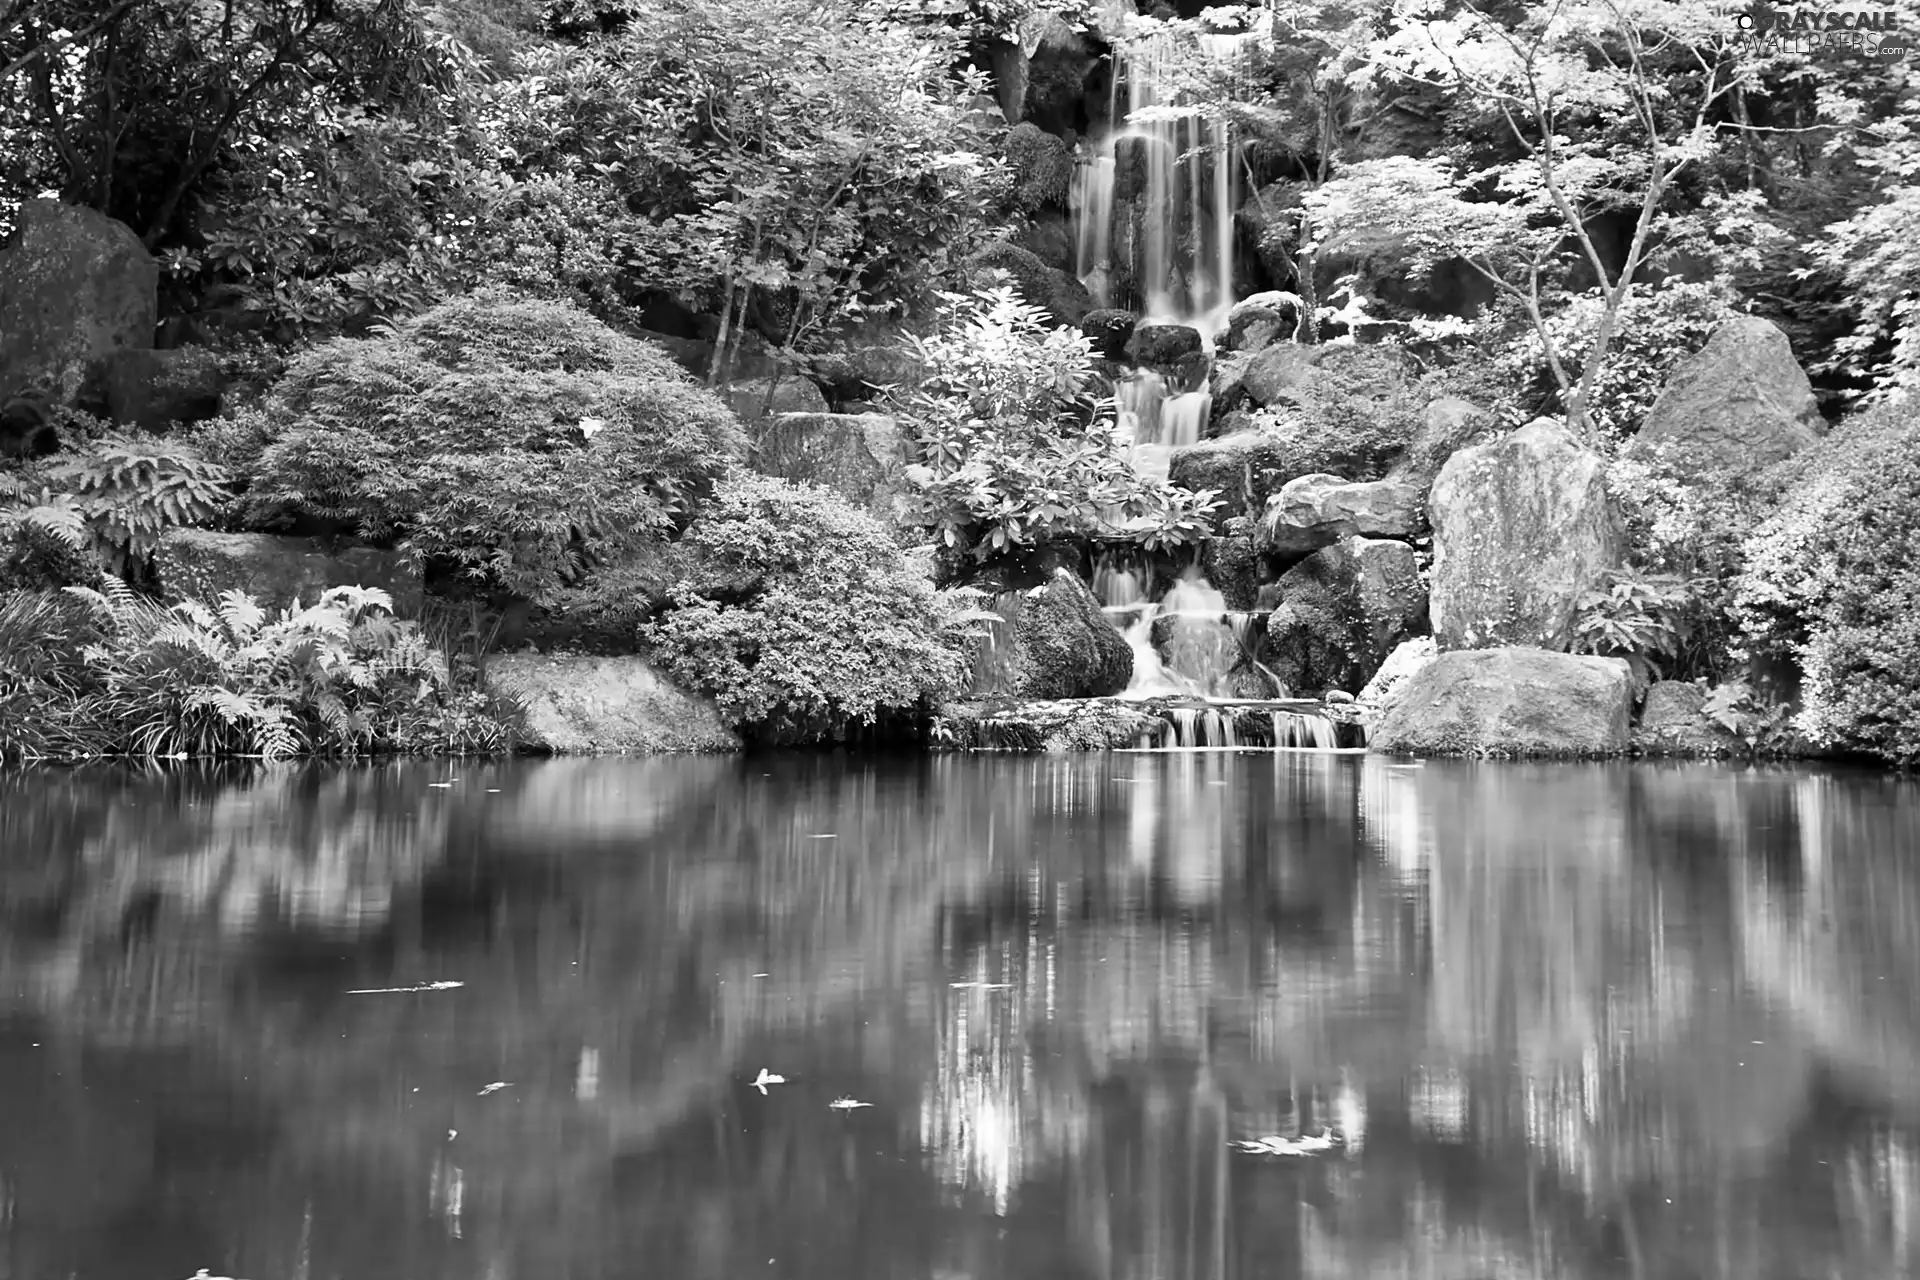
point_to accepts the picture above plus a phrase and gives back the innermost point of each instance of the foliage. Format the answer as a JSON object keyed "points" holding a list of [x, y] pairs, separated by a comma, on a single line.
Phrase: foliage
{"points": [[800, 616], [785, 165], [131, 491], [1742, 710], [108, 672], [1042, 167], [1586, 91], [1638, 617], [1833, 583], [1353, 419], [1691, 527], [1013, 452], [508, 442], [1876, 254], [141, 106]]}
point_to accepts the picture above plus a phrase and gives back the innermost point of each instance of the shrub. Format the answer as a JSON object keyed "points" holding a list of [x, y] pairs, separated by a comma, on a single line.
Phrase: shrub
{"points": [[132, 491], [512, 442], [1014, 453], [800, 616], [1689, 527], [1637, 617], [108, 672], [1352, 423], [1833, 581], [1042, 166]]}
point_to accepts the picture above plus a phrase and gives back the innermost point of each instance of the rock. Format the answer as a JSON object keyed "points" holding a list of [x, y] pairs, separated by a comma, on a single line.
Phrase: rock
{"points": [[1175, 351], [1673, 722], [1341, 612], [1232, 565], [1317, 510], [1042, 167], [1259, 321], [1078, 724], [1048, 236], [1522, 527], [75, 287], [1247, 468], [1386, 685], [1512, 702], [1057, 291], [1132, 163], [153, 389], [1447, 426], [1278, 368], [753, 399], [1741, 402], [276, 571], [1109, 330], [576, 704], [1056, 643], [860, 456]]}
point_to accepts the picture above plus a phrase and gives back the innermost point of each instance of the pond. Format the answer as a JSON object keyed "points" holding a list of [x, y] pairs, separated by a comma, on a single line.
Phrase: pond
{"points": [[1500, 1020]]}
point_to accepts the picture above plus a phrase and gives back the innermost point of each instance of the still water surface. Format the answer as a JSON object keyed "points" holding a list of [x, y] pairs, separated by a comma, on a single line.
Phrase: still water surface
{"points": [[1564, 1021]]}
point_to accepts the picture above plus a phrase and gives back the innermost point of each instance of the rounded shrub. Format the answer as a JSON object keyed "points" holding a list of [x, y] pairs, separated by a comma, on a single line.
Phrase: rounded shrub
{"points": [[509, 441], [1833, 581], [799, 615]]}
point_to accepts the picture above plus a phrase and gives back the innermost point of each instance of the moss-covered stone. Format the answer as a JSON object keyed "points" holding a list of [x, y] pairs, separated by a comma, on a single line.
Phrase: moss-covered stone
{"points": [[1511, 702], [587, 705], [1063, 297]]}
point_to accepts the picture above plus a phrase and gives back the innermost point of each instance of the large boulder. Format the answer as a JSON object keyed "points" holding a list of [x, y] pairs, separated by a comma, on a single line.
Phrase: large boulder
{"points": [[1054, 643], [1522, 528], [278, 571], [1447, 425], [860, 456], [1175, 351], [1246, 469], [1742, 401], [1319, 510], [585, 705], [1276, 369], [152, 390], [1063, 296], [1674, 722], [75, 287], [1510, 702], [1341, 611], [1259, 321]]}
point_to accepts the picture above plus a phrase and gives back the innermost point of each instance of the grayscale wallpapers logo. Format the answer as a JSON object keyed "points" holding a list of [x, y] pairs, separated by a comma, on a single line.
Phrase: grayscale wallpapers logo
{"points": [[1872, 32]]}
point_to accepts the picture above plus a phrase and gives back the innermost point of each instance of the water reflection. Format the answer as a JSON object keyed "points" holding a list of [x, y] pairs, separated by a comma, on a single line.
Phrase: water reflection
{"points": [[1567, 1021]]}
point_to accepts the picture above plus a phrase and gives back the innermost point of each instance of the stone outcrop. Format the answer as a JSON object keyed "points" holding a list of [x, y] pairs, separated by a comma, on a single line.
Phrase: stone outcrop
{"points": [[586, 705], [1054, 643], [1259, 321], [1063, 296], [1174, 351], [753, 399], [1742, 401], [76, 287], [1317, 510], [276, 571], [1341, 611], [1510, 702], [153, 389], [1246, 469], [1276, 369], [1109, 330], [860, 456], [1674, 722], [1383, 689], [1522, 527]]}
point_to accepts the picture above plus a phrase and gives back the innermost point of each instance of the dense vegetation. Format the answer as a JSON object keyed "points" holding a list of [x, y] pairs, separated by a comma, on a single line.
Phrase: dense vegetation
{"points": [[493, 265]]}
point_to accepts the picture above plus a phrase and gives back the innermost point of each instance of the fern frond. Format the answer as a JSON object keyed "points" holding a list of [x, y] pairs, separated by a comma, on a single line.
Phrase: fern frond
{"points": [[241, 614]]}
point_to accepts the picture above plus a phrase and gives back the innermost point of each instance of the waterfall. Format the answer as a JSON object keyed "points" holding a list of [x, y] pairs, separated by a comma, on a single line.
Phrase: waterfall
{"points": [[992, 659], [1092, 204], [1202, 645], [1182, 178]]}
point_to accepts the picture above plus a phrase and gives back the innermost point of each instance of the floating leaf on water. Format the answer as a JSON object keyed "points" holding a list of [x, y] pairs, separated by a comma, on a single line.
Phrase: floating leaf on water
{"points": [[847, 1104], [766, 1078], [495, 1087], [1305, 1145], [418, 986], [591, 427], [983, 986]]}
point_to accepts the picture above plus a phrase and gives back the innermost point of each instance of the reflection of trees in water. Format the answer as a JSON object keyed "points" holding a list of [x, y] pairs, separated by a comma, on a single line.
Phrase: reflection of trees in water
{"points": [[1542, 987]]}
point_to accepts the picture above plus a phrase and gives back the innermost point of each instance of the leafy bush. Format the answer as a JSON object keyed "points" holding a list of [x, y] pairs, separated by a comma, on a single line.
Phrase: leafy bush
{"points": [[108, 672], [1014, 453], [132, 491], [1833, 582], [800, 616], [1351, 422], [1637, 617], [511, 442], [1689, 527]]}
